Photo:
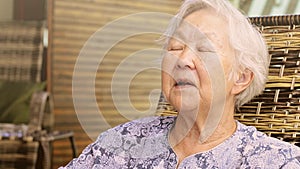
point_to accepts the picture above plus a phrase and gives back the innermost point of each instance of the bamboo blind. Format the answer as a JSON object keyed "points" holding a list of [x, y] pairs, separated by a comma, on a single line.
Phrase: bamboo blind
{"points": [[73, 22]]}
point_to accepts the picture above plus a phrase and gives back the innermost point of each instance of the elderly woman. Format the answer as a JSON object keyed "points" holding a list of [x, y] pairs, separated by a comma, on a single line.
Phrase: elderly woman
{"points": [[215, 61]]}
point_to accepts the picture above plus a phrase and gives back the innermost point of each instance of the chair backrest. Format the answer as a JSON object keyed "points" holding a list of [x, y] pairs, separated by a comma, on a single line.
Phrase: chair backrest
{"points": [[277, 110], [21, 50]]}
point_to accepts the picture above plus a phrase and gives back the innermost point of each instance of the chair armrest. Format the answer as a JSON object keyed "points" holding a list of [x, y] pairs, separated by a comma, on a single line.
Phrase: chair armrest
{"points": [[41, 106]]}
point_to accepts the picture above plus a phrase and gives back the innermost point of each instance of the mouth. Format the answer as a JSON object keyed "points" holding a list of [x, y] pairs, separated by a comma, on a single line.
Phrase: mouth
{"points": [[184, 83]]}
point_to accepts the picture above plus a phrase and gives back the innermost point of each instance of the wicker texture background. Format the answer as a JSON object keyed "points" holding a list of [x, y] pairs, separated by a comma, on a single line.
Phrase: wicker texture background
{"points": [[277, 110], [21, 51]]}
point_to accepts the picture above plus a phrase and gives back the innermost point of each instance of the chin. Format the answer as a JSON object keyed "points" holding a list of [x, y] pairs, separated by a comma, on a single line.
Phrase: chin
{"points": [[185, 104]]}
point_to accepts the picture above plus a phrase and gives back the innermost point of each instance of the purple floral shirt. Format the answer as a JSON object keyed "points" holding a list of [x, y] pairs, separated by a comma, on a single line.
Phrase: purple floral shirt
{"points": [[143, 144]]}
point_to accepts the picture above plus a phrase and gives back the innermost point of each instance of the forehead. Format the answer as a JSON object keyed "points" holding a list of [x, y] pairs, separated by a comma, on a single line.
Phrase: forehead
{"points": [[189, 33], [200, 25]]}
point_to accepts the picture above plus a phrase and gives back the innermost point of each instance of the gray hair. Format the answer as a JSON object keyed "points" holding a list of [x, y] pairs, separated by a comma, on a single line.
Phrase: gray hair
{"points": [[250, 48]]}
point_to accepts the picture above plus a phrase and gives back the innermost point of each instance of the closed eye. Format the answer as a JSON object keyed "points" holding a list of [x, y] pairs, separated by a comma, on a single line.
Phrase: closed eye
{"points": [[175, 49], [204, 50], [204, 47]]}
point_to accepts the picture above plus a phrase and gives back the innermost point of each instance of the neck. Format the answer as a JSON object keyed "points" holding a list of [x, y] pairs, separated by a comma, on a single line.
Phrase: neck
{"points": [[193, 129]]}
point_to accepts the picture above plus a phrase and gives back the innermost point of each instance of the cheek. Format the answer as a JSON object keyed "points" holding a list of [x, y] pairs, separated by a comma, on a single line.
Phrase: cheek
{"points": [[202, 74], [167, 80], [205, 83]]}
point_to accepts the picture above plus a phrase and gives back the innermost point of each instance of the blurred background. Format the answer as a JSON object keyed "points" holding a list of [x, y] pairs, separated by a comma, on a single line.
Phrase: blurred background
{"points": [[68, 24]]}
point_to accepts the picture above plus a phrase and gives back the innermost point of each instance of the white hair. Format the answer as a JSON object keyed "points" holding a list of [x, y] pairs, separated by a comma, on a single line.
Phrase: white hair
{"points": [[250, 48]]}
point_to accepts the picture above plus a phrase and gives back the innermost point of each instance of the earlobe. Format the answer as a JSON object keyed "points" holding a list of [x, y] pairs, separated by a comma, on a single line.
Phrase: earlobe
{"points": [[243, 81]]}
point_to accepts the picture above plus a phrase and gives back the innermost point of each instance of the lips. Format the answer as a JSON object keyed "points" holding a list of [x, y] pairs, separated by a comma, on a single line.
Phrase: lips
{"points": [[184, 83]]}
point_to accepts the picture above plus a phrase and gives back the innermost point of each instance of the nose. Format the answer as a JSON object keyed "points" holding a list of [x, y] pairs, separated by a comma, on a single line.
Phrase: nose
{"points": [[186, 59]]}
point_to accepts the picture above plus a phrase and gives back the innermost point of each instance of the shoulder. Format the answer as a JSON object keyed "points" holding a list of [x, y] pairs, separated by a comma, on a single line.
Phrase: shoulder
{"points": [[142, 137], [262, 150], [255, 138], [143, 127], [136, 135]]}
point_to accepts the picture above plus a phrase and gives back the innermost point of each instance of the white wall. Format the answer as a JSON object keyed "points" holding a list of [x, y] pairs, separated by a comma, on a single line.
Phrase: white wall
{"points": [[6, 10]]}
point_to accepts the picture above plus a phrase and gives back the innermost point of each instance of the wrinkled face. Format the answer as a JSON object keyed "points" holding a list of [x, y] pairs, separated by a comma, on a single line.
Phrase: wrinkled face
{"points": [[198, 61]]}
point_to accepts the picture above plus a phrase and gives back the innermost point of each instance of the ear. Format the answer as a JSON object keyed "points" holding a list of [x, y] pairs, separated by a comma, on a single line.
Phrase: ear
{"points": [[244, 80]]}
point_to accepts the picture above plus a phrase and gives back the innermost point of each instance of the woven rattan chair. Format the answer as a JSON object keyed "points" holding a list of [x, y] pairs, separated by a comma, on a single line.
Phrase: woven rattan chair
{"points": [[22, 60], [277, 110]]}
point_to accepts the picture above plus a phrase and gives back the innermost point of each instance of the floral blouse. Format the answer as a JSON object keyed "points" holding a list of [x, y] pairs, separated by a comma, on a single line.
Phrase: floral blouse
{"points": [[143, 144]]}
